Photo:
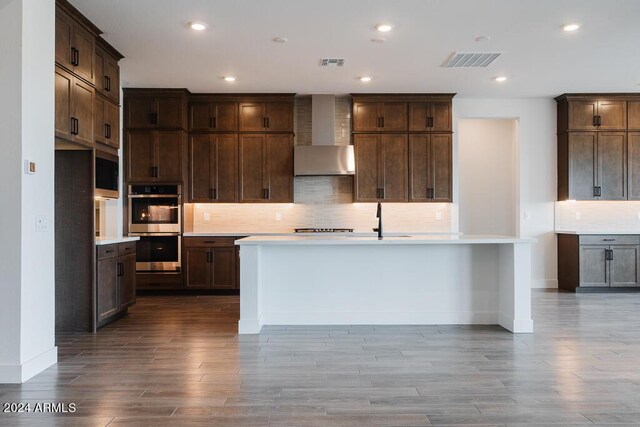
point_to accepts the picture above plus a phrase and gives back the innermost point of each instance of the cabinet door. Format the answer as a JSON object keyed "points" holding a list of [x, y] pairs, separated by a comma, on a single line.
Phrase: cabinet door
{"points": [[127, 283], [169, 156], [99, 115], [112, 122], [394, 116], [112, 74], [634, 165], [224, 268], [624, 266], [200, 158], [82, 101], [394, 155], [367, 183], [441, 117], [419, 113], [64, 34], [197, 267], [279, 168], [140, 112], [581, 115], [441, 172], [63, 88], [252, 173], [84, 42], [252, 117], [613, 115], [612, 165], [582, 165], [366, 117], [200, 117], [594, 268], [224, 165], [140, 156], [169, 112], [99, 63], [633, 114], [225, 116], [419, 159], [279, 116], [107, 287]]}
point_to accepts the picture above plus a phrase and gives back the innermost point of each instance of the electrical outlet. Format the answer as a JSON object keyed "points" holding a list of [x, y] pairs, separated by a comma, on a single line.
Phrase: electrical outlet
{"points": [[278, 216], [438, 216], [207, 216], [578, 216], [42, 223]]}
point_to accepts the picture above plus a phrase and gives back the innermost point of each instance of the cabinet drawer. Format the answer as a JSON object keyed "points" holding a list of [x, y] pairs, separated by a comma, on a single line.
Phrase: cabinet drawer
{"points": [[126, 248], [209, 242], [609, 240], [107, 251]]}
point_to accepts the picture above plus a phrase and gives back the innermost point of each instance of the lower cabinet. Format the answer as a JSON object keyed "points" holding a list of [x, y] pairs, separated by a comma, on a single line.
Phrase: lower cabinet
{"points": [[115, 280], [211, 263], [598, 262]]}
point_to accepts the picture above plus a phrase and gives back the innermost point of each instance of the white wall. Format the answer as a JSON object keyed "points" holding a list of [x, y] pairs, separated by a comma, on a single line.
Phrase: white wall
{"points": [[536, 171], [27, 292], [486, 165]]}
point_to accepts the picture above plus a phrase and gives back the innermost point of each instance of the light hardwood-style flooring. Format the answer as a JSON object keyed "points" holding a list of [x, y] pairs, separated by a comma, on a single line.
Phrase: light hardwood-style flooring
{"points": [[176, 361]]}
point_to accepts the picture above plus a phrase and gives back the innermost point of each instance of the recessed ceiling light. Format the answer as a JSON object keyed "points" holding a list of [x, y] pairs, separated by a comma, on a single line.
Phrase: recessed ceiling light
{"points": [[280, 39], [229, 79], [198, 26], [384, 28], [481, 39], [365, 79], [501, 79], [571, 27], [378, 40]]}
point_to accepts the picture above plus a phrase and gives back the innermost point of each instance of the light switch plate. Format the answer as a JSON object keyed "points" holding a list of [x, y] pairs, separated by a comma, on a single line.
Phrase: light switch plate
{"points": [[29, 167], [278, 216], [206, 216], [438, 216]]}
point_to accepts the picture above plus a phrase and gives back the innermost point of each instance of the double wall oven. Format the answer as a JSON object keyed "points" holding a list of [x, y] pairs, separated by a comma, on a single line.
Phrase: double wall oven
{"points": [[155, 216]]}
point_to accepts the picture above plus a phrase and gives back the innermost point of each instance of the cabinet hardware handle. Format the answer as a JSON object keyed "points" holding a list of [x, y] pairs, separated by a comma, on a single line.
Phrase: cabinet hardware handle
{"points": [[108, 252], [429, 193], [75, 128], [599, 120], [268, 194], [209, 257], [213, 193], [382, 122], [608, 240], [153, 117], [268, 123], [214, 123], [595, 120], [107, 83], [431, 122], [106, 131], [599, 191], [154, 171], [264, 122], [382, 193], [210, 241], [75, 57]]}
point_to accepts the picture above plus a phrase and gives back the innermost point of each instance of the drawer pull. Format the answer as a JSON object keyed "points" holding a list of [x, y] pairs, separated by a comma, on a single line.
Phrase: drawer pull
{"points": [[108, 252], [209, 241], [608, 240]]}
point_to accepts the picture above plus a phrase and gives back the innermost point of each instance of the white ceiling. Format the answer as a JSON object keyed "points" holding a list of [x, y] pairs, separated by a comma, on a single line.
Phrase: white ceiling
{"points": [[540, 59]]}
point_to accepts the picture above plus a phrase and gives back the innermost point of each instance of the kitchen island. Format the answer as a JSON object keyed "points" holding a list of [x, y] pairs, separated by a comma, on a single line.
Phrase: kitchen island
{"points": [[417, 280]]}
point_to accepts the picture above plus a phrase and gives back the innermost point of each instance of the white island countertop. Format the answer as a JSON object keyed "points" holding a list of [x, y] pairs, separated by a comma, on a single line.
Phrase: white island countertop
{"points": [[111, 240], [407, 239], [597, 233], [290, 233]]}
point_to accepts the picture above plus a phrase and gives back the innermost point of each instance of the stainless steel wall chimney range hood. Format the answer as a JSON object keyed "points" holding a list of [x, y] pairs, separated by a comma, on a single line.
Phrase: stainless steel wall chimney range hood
{"points": [[323, 156]]}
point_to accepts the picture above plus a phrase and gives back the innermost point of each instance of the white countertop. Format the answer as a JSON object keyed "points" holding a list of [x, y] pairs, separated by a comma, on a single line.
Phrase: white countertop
{"points": [[414, 239], [354, 234], [596, 233], [110, 240]]}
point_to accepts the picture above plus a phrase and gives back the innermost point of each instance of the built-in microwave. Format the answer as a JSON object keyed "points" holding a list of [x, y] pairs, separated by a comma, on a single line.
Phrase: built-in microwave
{"points": [[155, 208], [107, 168]]}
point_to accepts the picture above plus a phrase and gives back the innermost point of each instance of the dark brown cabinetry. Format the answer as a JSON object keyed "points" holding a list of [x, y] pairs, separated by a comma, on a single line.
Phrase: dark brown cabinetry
{"points": [[73, 109], [213, 116], [598, 262], [633, 114], [107, 74], [430, 168], [381, 162], [154, 156], [106, 122], [379, 116], [603, 162], [213, 168], [155, 109], [210, 263], [430, 117], [273, 116], [75, 44], [266, 168], [115, 280]]}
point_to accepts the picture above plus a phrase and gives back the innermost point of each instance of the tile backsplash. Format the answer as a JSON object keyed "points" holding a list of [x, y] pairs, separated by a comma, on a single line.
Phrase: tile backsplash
{"points": [[598, 216]]}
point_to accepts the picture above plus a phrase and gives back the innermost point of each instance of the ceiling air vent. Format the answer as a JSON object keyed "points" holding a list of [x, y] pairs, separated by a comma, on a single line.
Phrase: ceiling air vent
{"points": [[331, 62], [470, 60]]}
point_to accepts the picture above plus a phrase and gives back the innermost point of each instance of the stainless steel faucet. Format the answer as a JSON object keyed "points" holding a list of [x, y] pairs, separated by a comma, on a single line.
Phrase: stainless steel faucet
{"points": [[379, 216]]}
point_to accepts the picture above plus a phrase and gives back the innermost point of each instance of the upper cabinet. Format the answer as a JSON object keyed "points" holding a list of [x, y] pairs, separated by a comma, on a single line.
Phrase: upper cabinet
{"points": [[430, 116], [213, 116], [213, 168], [376, 116], [74, 104], [266, 168], [107, 76], [75, 44], [597, 153], [430, 168], [155, 109], [270, 116], [155, 156]]}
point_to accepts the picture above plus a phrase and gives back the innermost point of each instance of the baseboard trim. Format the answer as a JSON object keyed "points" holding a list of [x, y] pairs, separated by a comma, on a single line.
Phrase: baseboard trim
{"points": [[18, 374]]}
